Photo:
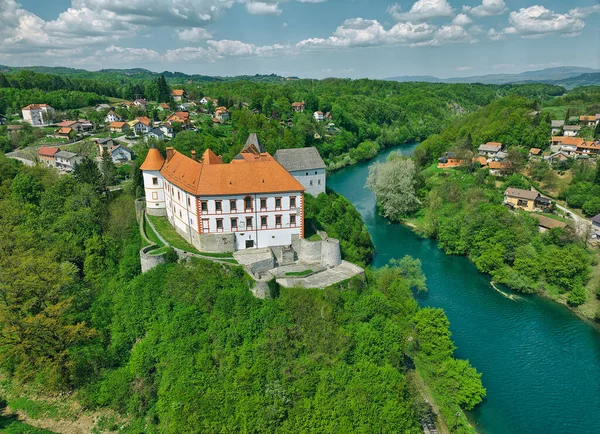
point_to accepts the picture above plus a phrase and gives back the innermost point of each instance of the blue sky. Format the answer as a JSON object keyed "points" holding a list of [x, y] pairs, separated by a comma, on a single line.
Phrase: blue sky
{"points": [[306, 38]]}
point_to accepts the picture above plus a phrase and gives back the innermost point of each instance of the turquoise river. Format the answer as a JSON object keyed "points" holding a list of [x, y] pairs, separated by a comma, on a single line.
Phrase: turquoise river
{"points": [[540, 362]]}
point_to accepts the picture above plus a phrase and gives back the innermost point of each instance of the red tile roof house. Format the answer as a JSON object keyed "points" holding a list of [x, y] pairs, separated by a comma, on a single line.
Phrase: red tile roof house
{"points": [[298, 106], [46, 155], [178, 95]]}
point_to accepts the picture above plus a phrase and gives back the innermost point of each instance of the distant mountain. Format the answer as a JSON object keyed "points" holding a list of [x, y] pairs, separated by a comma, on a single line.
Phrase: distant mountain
{"points": [[421, 78], [563, 76], [137, 74]]}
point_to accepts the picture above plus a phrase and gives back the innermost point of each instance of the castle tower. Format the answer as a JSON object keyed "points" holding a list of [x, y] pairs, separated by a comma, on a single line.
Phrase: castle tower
{"points": [[154, 182]]}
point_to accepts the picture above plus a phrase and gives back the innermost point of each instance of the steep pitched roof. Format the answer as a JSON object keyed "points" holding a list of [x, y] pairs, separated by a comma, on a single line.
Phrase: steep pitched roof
{"points": [[145, 120], [209, 157], [299, 159], [521, 194], [154, 160], [264, 175], [252, 145], [117, 124], [177, 92]]}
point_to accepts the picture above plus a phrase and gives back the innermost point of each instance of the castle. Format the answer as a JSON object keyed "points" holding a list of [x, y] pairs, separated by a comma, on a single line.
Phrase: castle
{"points": [[252, 202]]}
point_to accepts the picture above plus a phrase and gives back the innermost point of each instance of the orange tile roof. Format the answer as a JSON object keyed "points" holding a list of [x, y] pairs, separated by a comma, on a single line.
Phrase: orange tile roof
{"points": [[144, 120], [154, 160], [209, 157], [498, 165], [576, 141], [177, 92], [164, 105], [587, 118], [67, 123], [535, 151], [117, 124], [65, 130], [494, 144], [264, 175], [47, 151]]}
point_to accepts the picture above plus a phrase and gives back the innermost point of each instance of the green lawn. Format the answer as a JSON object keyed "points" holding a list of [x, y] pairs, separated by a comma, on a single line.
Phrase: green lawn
{"points": [[167, 231], [554, 217], [151, 234], [159, 251]]}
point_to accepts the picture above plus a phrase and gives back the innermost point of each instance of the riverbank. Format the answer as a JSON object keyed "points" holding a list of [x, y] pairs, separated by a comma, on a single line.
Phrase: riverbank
{"points": [[532, 352]]}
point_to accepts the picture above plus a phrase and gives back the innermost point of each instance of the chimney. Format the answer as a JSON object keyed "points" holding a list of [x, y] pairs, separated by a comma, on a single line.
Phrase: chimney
{"points": [[169, 152], [194, 155]]}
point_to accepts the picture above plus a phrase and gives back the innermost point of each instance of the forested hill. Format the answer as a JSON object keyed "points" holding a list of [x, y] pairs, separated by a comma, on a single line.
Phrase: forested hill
{"points": [[135, 74]]}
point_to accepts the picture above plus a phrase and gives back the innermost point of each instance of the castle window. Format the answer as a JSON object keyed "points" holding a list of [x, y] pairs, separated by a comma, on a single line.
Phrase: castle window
{"points": [[293, 202], [178, 196], [155, 181], [218, 206], [234, 224], [248, 203], [232, 206], [319, 181], [311, 183], [292, 219], [189, 203], [277, 203], [263, 222], [277, 221], [219, 225], [263, 203], [248, 222], [204, 206], [154, 195]]}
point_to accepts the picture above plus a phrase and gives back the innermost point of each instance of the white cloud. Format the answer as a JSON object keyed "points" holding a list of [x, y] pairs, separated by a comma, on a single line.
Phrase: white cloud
{"points": [[537, 21], [422, 10], [584, 12], [487, 8], [495, 35], [462, 20], [129, 55], [452, 34], [464, 68], [312, 1], [194, 34], [263, 8]]}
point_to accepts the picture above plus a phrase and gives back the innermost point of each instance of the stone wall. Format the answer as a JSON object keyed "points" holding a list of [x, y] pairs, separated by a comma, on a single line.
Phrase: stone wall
{"points": [[149, 261], [160, 212], [217, 243], [325, 252]]}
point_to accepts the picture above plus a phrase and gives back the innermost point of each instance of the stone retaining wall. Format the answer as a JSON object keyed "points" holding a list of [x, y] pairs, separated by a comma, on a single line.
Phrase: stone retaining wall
{"points": [[149, 261]]}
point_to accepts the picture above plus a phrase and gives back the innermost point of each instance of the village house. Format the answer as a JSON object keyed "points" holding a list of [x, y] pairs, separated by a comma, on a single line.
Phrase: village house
{"points": [[565, 144], [251, 202], [117, 152], [141, 104], [298, 106], [557, 157], [306, 166], [167, 130], [535, 152], [557, 127], [38, 114], [65, 160], [111, 117], [155, 133], [222, 114], [146, 123], [589, 149], [499, 168], [587, 121], [449, 160], [527, 200], [206, 99], [182, 118], [136, 126], [327, 116], [178, 95], [119, 127], [318, 115], [46, 155], [547, 223], [163, 106], [490, 149], [596, 225], [65, 132], [571, 130]]}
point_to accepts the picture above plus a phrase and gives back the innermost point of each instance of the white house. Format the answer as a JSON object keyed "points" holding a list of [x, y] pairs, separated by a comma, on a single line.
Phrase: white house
{"points": [[571, 130], [65, 160], [306, 165], [137, 127], [155, 133], [111, 117], [490, 149], [167, 130], [38, 114], [318, 116], [249, 203], [121, 154]]}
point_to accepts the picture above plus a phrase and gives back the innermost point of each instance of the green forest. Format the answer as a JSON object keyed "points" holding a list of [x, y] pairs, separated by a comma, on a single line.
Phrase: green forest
{"points": [[186, 347]]}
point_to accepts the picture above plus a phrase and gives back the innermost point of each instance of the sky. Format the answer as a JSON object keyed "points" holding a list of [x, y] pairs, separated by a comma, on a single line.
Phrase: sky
{"points": [[304, 38]]}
